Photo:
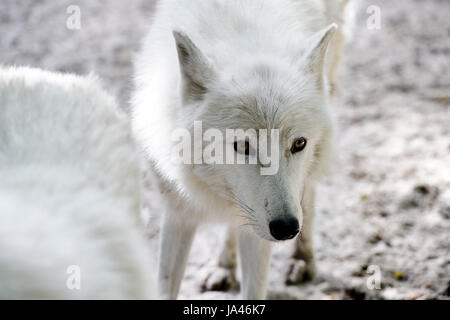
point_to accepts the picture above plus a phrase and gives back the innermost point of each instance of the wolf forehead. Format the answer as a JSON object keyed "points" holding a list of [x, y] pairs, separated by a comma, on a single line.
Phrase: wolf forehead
{"points": [[262, 97]]}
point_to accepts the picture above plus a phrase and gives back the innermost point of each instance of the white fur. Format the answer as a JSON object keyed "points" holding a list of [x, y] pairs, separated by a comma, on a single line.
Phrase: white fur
{"points": [[253, 60], [69, 191]]}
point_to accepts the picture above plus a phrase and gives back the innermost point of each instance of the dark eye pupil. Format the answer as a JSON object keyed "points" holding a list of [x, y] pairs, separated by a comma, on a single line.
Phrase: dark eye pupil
{"points": [[242, 148], [298, 145]]}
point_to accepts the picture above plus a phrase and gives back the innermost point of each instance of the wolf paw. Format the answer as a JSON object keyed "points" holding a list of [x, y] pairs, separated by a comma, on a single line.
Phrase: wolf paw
{"points": [[220, 279], [300, 271]]}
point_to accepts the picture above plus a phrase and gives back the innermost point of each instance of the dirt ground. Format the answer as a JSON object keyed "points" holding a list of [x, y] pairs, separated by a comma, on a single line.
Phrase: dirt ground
{"points": [[386, 203]]}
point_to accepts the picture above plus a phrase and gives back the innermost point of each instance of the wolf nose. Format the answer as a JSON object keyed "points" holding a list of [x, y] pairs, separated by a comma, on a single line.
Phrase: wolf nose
{"points": [[284, 228]]}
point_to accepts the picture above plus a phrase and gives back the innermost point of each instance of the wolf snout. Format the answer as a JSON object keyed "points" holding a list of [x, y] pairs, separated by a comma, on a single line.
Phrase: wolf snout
{"points": [[284, 228]]}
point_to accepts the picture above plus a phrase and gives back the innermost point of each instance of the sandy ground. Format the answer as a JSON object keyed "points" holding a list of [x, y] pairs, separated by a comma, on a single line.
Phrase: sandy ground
{"points": [[387, 201]]}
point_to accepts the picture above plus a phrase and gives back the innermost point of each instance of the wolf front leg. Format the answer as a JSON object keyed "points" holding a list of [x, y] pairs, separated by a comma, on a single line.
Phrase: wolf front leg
{"points": [[223, 276], [176, 241], [255, 259], [303, 267]]}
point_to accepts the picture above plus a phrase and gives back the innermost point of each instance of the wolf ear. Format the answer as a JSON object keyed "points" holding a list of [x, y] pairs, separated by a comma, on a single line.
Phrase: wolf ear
{"points": [[195, 68], [315, 55]]}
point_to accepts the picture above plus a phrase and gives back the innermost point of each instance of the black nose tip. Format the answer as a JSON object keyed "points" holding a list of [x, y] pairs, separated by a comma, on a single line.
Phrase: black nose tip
{"points": [[284, 228]]}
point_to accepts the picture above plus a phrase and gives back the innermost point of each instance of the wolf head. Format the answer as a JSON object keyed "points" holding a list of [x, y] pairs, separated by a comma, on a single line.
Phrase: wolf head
{"points": [[259, 94]]}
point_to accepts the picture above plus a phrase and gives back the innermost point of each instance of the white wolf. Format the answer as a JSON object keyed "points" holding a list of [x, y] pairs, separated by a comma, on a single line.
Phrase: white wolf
{"points": [[69, 192], [248, 64]]}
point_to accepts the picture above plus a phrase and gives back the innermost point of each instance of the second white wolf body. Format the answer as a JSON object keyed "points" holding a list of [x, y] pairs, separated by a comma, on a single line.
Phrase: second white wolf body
{"points": [[234, 64], [70, 226]]}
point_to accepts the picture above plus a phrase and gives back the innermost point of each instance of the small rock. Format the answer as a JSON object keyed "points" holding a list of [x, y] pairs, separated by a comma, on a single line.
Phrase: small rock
{"points": [[445, 212], [384, 214], [375, 238], [422, 196], [358, 175], [415, 297], [442, 99], [422, 189], [361, 272], [398, 275], [447, 291], [408, 225], [355, 293]]}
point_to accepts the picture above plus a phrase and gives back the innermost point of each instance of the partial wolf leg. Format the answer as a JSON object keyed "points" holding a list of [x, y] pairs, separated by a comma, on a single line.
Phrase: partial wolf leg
{"points": [[176, 241], [224, 276], [255, 257], [303, 267]]}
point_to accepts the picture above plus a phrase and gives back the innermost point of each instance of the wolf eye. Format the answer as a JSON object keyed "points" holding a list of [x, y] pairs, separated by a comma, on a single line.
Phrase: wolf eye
{"points": [[242, 147], [298, 145]]}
